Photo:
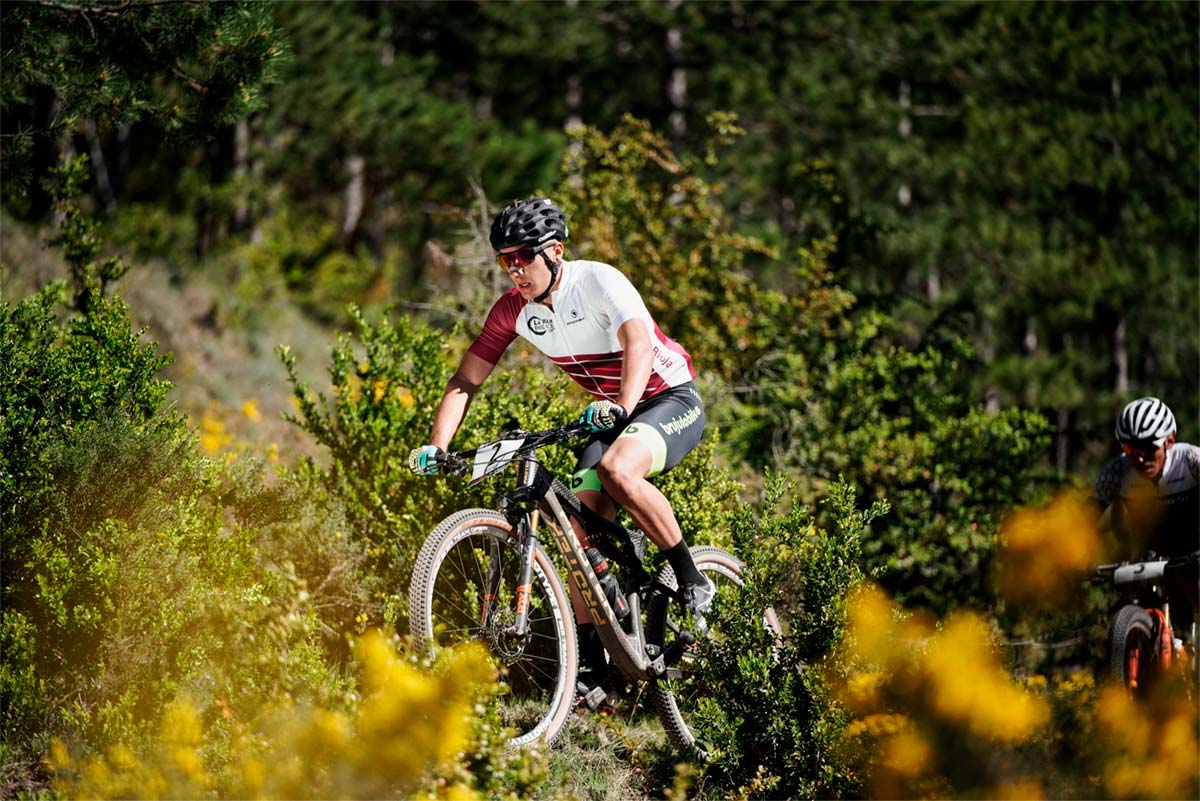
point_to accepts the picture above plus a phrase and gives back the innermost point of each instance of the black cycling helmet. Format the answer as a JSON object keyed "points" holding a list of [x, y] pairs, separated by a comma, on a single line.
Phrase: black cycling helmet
{"points": [[532, 221]]}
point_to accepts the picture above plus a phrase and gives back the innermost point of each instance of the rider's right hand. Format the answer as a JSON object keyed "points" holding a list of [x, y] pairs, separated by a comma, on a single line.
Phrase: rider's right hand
{"points": [[424, 460]]}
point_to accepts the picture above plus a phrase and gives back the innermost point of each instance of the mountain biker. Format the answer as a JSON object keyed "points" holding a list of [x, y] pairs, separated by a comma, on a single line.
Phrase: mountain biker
{"points": [[589, 319], [1150, 494]]}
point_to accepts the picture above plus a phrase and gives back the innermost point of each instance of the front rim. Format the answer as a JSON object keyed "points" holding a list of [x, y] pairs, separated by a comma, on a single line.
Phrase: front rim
{"points": [[537, 667]]}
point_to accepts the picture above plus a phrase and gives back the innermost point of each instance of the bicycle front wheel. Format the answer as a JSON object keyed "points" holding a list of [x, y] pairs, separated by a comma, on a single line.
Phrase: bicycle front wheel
{"points": [[678, 702], [1131, 649], [464, 588]]}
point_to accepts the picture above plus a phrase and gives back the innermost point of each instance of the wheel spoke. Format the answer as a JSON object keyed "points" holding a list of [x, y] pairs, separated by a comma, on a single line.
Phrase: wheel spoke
{"points": [[536, 664]]}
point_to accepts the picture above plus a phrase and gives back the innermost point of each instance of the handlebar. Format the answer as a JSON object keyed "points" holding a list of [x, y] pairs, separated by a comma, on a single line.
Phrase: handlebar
{"points": [[460, 462], [1142, 570]]}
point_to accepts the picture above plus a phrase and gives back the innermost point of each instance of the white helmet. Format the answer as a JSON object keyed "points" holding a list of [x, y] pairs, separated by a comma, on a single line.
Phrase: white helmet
{"points": [[1145, 419]]}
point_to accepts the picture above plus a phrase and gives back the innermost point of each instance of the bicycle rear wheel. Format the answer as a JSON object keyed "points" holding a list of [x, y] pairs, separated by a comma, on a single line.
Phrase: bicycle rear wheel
{"points": [[471, 555], [678, 701], [1131, 644]]}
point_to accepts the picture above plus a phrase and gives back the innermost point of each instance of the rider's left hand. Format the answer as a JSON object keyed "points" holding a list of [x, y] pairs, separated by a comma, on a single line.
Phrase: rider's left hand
{"points": [[602, 415], [424, 460]]}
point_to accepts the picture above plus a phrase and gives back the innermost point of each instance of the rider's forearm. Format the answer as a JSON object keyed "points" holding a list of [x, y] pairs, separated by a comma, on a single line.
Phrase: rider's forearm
{"points": [[451, 412], [461, 387], [635, 365]]}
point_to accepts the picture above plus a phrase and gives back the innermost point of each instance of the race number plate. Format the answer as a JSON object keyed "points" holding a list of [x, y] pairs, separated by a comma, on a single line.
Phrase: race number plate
{"points": [[494, 457]]}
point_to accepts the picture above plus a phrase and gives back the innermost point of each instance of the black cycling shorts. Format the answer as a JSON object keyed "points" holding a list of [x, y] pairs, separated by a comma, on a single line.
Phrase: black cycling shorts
{"points": [[670, 425]]}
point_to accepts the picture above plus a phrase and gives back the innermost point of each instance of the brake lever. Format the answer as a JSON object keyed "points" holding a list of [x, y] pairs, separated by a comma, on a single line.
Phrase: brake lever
{"points": [[452, 464]]}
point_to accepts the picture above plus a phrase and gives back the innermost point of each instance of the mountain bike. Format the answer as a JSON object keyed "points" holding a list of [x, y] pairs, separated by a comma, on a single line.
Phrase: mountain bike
{"points": [[484, 575], [1146, 639]]}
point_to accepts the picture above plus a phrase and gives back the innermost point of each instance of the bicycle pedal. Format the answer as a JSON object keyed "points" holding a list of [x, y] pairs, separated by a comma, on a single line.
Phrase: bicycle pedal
{"points": [[595, 697]]}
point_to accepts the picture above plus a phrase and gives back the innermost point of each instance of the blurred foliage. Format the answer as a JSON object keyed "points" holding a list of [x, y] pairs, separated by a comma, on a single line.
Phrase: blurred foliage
{"points": [[936, 714], [407, 725], [181, 67], [1015, 203]]}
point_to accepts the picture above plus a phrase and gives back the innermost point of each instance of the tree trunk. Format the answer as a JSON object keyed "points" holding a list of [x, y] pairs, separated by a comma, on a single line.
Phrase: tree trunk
{"points": [[121, 163], [1062, 445], [1121, 356], [988, 350], [104, 189], [677, 86], [241, 170], [356, 166]]}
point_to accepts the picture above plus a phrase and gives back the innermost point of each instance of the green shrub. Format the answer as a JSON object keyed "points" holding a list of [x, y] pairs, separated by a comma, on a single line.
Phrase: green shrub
{"points": [[127, 579], [632, 202], [903, 425], [777, 723]]}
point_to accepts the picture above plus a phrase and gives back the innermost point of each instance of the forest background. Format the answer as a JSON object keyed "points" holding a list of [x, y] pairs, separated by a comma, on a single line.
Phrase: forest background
{"points": [[920, 253]]}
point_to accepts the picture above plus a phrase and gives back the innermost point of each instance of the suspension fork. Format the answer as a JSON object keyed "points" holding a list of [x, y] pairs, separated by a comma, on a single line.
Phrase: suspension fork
{"points": [[527, 531]]}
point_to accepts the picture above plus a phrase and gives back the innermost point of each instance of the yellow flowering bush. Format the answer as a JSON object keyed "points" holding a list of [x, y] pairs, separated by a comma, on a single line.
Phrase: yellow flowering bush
{"points": [[1045, 551], [406, 724], [935, 713], [1152, 749], [933, 700]]}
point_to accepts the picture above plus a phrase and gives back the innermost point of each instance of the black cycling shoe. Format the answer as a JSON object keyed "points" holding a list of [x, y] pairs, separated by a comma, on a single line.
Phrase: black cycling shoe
{"points": [[697, 598], [594, 692]]}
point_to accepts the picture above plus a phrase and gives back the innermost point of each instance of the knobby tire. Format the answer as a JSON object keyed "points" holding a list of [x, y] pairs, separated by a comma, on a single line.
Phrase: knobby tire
{"points": [[1131, 644], [446, 601], [674, 710]]}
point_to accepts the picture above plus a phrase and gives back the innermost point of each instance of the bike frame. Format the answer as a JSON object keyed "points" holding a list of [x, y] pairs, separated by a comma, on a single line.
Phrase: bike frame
{"points": [[539, 497]]}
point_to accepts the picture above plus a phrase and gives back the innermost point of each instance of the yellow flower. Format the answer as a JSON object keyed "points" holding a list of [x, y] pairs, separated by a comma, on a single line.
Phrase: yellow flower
{"points": [[1044, 551], [968, 686], [250, 410], [908, 753], [213, 437]]}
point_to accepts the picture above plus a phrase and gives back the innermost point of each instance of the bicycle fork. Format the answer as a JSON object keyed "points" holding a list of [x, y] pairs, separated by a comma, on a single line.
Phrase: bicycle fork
{"points": [[527, 536]]}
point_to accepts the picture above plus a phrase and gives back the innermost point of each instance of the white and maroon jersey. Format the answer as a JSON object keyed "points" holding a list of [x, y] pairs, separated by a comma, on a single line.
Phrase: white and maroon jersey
{"points": [[1170, 506], [579, 333]]}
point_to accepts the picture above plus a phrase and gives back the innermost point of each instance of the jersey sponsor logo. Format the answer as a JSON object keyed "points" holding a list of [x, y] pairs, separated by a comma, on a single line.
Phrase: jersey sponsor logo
{"points": [[1179, 497], [575, 316], [541, 325], [682, 422], [665, 359]]}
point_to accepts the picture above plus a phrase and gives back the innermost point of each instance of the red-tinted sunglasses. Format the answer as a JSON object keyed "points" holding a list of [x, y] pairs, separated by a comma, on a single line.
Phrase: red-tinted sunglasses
{"points": [[521, 258], [1146, 449]]}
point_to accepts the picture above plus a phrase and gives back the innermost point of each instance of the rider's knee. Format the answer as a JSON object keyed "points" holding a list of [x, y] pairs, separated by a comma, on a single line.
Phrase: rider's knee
{"points": [[617, 475]]}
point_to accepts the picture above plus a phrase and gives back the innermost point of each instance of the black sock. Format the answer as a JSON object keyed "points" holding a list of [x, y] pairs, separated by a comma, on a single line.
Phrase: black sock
{"points": [[682, 563], [591, 651]]}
